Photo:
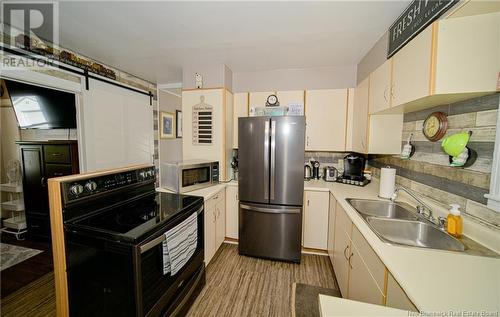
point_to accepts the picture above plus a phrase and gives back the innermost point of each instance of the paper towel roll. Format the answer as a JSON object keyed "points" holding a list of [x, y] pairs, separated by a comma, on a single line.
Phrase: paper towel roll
{"points": [[387, 182]]}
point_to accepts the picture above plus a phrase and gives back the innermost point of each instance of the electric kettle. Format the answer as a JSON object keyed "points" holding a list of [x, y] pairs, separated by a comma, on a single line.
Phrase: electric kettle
{"points": [[307, 172]]}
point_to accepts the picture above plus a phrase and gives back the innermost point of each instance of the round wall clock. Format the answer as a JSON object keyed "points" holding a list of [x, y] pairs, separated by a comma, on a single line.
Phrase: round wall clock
{"points": [[272, 101], [435, 126]]}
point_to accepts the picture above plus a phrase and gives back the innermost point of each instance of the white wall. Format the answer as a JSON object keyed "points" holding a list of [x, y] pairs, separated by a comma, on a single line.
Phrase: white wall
{"points": [[170, 149], [295, 79], [375, 57], [213, 75]]}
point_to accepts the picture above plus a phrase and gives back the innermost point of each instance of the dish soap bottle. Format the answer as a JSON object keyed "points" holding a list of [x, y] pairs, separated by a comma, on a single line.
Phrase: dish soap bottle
{"points": [[454, 221]]}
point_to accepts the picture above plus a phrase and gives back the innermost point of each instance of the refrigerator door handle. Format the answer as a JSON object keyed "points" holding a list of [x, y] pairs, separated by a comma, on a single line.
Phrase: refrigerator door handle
{"points": [[266, 159], [273, 157], [271, 210]]}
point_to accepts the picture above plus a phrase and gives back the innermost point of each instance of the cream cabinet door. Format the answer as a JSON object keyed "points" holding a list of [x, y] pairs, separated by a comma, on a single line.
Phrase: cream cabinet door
{"points": [[385, 134], [258, 99], [220, 216], [359, 122], [380, 88], [468, 50], [288, 97], [232, 212], [411, 77], [326, 119], [362, 286], [396, 297], [341, 248], [209, 228], [331, 227], [340, 263], [240, 110], [316, 219]]}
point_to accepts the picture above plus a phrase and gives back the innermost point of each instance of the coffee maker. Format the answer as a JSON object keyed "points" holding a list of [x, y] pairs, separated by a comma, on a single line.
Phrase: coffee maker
{"points": [[354, 165]]}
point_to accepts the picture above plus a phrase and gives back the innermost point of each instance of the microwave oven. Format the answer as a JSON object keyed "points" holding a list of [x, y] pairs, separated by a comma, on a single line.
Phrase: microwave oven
{"points": [[185, 176]]}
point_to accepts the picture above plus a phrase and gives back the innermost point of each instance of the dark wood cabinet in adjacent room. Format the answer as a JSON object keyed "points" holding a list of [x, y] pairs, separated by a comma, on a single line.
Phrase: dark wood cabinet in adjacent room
{"points": [[40, 161]]}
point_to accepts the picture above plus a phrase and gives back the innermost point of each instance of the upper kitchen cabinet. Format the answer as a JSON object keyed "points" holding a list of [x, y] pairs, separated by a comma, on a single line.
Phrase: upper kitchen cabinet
{"points": [[358, 118], [208, 127], [371, 133], [326, 119], [240, 110], [380, 88], [451, 60], [467, 58], [258, 99], [412, 70]]}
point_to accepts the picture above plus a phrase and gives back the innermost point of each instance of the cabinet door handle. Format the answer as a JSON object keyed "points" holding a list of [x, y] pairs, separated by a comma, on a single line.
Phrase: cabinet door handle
{"points": [[58, 174], [56, 154], [345, 256], [308, 202], [385, 94], [42, 181], [349, 260]]}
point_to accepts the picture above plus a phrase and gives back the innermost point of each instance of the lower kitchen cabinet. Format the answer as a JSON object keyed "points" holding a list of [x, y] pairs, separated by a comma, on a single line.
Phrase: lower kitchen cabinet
{"points": [[366, 277], [315, 219], [341, 249], [215, 231], [360, 273], [232, 211], [331, 227]]}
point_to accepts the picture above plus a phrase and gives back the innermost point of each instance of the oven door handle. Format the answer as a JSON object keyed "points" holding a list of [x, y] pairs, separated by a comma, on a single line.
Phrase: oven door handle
{"points": [[151, 244]]}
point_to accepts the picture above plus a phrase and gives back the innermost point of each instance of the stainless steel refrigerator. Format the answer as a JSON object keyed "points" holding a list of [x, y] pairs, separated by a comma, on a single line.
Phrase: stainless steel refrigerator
{"points": [[271, 186]]}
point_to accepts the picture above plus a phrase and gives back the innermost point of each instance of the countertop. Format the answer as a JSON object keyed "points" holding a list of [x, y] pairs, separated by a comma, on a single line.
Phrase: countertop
{"points": [[330, 306], [434, 280], [206, 193]]}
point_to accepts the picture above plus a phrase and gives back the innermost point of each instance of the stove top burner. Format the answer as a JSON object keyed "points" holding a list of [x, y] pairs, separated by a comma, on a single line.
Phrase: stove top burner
{"points": [[133, 219]]}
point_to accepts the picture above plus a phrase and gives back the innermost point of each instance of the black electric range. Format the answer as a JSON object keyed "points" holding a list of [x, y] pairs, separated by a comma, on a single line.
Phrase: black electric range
{"points": [[135, 219], [114, 232]]}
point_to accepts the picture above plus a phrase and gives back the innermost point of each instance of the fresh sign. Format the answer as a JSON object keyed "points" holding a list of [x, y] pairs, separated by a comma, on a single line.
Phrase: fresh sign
{"points": [[418, 15]]}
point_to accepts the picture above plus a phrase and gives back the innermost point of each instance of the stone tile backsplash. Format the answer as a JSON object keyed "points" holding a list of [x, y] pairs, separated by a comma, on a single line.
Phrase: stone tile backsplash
{"points": [[428, 171]]}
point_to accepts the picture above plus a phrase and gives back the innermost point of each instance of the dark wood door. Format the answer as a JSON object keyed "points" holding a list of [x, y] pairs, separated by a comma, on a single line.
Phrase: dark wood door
{"points": [[34, 182]]}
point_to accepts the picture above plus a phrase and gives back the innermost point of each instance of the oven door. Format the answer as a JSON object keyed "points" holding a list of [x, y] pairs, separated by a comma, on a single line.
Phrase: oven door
{"points": [[195, 177], [158, 292]]}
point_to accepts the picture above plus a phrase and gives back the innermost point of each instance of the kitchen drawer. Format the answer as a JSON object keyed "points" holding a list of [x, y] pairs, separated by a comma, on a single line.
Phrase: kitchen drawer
{"points": [[57, 154], [57, 170], [215, 199]]}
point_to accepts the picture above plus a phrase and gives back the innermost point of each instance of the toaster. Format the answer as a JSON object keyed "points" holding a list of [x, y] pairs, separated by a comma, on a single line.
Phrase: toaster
{"points": [[330, 174]]}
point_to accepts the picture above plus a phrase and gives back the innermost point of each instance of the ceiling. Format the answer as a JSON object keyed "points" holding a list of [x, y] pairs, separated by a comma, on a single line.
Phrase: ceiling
{"points": [[154, 40]]}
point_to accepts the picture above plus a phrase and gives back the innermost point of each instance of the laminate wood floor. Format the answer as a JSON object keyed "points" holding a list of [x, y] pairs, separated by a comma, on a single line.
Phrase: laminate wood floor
{"points": [[235, 286], [28, 271], [244, 286]]}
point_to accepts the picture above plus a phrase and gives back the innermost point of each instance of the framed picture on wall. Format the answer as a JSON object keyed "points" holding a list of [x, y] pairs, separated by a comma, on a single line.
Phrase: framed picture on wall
{"points": [[178, 124], [167, 125]]}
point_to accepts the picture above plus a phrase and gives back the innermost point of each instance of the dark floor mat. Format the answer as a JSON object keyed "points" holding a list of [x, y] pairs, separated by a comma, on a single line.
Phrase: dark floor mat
{"points": [[305, 299]]}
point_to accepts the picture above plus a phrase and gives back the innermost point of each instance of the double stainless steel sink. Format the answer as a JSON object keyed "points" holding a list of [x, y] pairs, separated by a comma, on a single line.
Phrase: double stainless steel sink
{"points": [[399, 223]]}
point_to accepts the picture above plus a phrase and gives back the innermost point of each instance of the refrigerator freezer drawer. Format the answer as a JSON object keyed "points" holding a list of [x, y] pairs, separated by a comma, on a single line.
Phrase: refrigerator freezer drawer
{"points": [[270, 231]]}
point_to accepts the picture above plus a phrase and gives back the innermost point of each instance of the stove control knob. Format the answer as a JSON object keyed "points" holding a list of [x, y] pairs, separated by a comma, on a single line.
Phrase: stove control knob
{"points": [[91, 186], [142, 175], [76, 189]]}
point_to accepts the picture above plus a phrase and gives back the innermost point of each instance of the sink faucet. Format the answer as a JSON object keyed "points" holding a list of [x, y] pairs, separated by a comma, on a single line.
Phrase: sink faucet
{"points": [[420, 208]]}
